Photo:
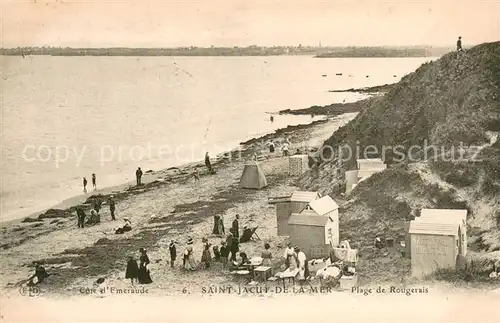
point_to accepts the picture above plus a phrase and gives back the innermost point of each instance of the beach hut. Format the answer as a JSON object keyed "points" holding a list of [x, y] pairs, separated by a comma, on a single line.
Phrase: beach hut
{"points": [[253, 177], [298, 164], [300, 199], [449, 216], [351, 179], [368, 167], [283, 212], [433, 246], [326, 206], [309, 230]]}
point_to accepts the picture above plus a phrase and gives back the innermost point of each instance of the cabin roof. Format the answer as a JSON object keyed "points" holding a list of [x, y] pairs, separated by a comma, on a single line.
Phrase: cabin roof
{"points": [[372, 164], [278, 199], [433, 228], [298, 156], [444, 215], [323, 205], [303, 196], [308, 219]]}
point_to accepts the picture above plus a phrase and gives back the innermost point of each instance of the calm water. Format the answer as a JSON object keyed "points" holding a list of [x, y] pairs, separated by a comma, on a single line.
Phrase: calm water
{"points": [[67, 117]]}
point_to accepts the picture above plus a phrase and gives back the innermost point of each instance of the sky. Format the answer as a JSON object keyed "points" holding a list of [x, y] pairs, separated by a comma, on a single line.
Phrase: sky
{"points": [[162, 23]]}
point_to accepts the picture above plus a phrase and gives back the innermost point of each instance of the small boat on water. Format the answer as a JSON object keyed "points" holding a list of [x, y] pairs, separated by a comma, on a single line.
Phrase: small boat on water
{"points": [[338, 74], [324, 75]]}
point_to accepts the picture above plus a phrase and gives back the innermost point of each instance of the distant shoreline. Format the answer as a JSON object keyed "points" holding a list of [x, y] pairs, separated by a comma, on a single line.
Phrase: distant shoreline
{"points": [[319, 52]]}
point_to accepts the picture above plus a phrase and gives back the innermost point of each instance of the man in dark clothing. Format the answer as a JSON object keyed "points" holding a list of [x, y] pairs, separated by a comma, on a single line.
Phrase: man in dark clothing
{"points": [[236, 226], [459, 44], [84, 185], [112, 208], [208, 164], [224, 253], [94, 183], [138, 176], [97, 204], [173, 253], [235, 247], [80, 214]]}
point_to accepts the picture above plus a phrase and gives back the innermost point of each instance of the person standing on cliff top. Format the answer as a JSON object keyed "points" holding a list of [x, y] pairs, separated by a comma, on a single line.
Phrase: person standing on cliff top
{"points": [[138, 176], [84, 185], [459, 44], [94, 181]]}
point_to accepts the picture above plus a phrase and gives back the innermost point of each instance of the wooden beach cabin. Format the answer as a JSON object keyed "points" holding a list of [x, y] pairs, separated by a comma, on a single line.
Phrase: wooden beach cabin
{"points": [[449, 216], [253, 177], [309, 231], [327, 207], [433, 246], [298, 164], [283, 212], [286, 205]]}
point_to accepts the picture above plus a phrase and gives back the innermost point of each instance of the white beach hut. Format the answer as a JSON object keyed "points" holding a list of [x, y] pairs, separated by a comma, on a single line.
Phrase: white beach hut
{"points": [[433, 246], [456, 216]]}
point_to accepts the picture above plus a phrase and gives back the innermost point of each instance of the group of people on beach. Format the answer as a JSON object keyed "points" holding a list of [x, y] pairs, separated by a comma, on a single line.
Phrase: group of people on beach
{"points": [[228, 254], [95, 217], [138, 178], [94, 183], [139, 273]]}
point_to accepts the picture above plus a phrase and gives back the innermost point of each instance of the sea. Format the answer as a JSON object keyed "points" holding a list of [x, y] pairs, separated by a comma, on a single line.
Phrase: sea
{"points": [[64, 118]]}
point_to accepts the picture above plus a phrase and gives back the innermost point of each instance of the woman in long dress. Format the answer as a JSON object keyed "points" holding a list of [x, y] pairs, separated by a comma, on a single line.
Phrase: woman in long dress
{"points": [[206, 257], [190, 263], [144, 276], [266, 256], [222, 231], [216, 225]]}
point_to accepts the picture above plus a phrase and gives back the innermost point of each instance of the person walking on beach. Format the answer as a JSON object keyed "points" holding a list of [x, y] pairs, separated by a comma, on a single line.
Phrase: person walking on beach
{"points": [[206, 257], [84, 185], [285, 148], [173, 253], [144, 275], [94, 184], [224, 253], [196, 175], [80, 215], [236, 226], [207, 163], [138, 176], [112, 207], [235, 246], [97, 204], [132, 271]]}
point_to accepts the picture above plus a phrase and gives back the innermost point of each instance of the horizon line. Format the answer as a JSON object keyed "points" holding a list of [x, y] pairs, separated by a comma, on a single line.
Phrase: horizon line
{"points": [[234, 46]]}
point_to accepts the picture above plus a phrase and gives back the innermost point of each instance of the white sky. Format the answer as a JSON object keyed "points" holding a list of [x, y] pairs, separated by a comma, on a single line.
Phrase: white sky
{"points": [[155, 23]]}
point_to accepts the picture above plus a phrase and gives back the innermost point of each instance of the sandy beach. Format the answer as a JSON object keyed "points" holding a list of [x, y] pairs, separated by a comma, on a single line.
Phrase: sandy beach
{"points": [[170, 205]]}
